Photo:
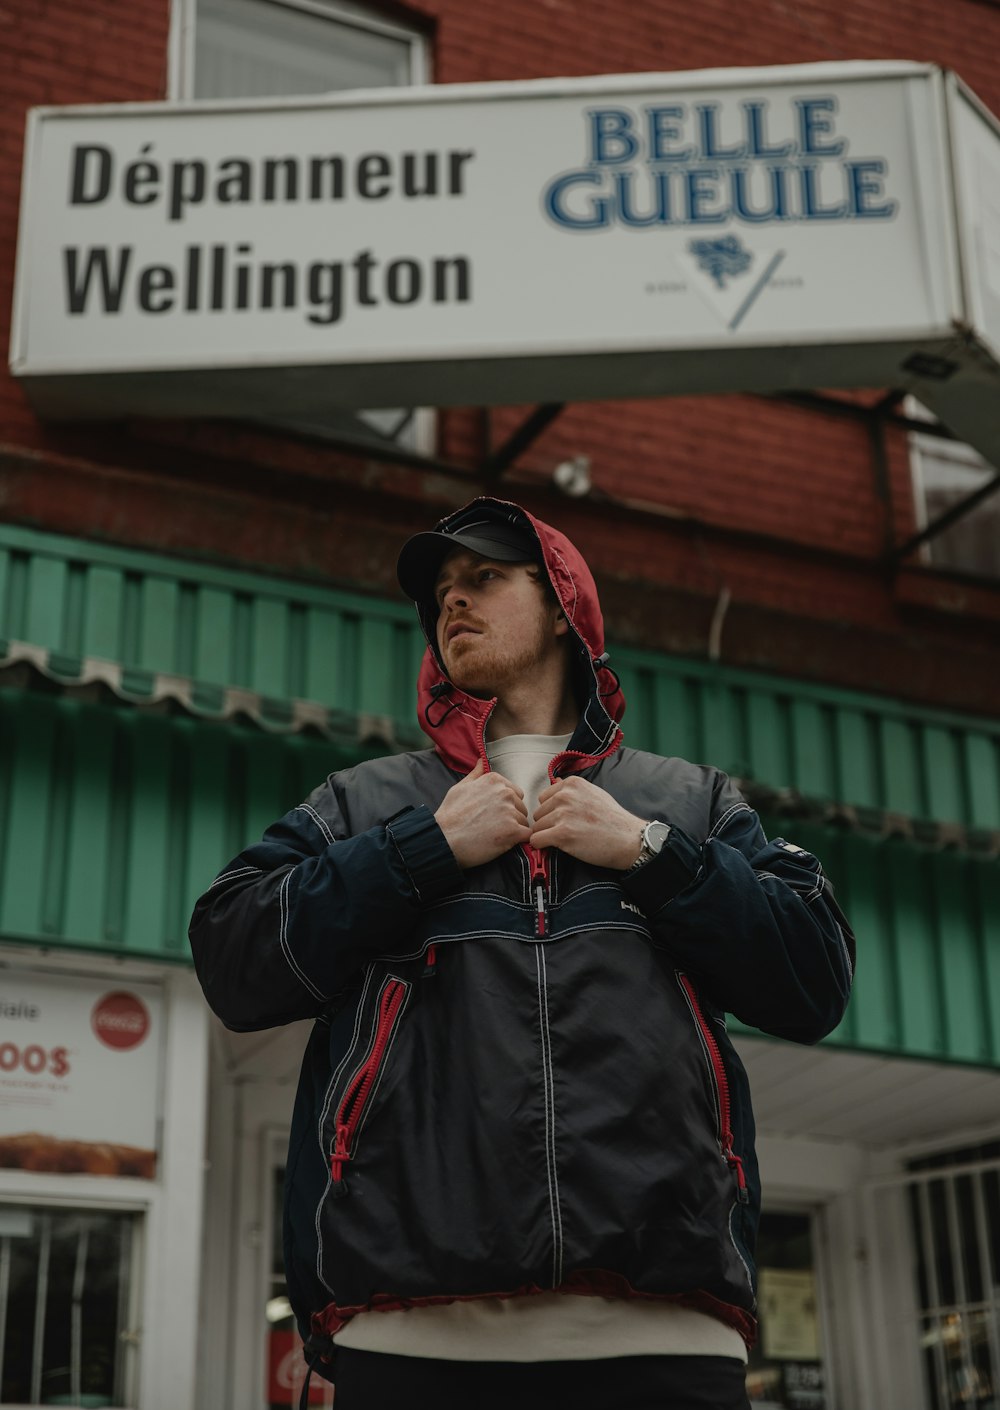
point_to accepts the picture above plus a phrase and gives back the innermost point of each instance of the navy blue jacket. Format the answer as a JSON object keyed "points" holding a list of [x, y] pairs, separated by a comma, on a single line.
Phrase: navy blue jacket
{"points": [[519, 1078]]}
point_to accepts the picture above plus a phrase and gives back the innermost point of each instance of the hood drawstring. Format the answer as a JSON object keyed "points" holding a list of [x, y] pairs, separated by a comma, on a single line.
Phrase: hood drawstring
{"points": [[600, 663], [436, 692], [318, 1348]]}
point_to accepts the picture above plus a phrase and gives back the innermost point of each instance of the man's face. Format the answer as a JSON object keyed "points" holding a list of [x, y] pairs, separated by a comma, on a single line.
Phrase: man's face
{"points": [[496, 625]]}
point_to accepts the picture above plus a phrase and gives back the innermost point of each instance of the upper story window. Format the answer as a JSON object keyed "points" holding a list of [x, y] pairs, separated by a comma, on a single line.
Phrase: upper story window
{"points": [[284, 48], [289, 48], [944, 473], [268, 48]]}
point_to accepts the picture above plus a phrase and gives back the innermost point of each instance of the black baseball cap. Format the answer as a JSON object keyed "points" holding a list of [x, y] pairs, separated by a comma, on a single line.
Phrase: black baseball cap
{"points": [[502, 539]]}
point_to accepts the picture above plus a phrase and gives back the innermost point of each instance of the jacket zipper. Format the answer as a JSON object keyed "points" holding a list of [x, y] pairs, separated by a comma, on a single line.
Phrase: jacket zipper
{"points": [[538, 860], [540, 863], [540, 885], [355, 1099], [721, 1086]]}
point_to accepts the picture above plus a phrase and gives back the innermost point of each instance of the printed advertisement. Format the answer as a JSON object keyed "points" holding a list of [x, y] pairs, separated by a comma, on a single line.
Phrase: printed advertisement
{"points": [[788, 1314], [79, 1074]]}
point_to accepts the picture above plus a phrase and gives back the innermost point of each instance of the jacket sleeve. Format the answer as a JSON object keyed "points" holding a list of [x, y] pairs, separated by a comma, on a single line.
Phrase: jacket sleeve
{"points": [[754, 922], [288, 924]]}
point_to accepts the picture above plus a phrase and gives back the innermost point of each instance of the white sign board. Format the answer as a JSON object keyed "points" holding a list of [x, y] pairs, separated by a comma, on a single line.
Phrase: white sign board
{"points": [[80, 1069], [977, 162], [629, 235]]}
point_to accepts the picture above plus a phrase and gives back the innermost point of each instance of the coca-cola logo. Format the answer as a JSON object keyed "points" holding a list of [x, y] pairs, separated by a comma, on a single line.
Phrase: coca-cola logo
{"points": [[287, 1371], [120, 1020]]}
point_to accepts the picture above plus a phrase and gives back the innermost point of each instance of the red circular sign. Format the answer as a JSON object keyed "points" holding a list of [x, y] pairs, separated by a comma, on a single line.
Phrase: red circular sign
{"points": [[120, 1020]]}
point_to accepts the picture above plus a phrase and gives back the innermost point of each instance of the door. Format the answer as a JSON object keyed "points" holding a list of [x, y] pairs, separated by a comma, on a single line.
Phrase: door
{"points": [[786, 1369]]}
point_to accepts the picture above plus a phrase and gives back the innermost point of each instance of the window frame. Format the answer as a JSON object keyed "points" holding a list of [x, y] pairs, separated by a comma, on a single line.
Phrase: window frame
{"points": [[899, 1217], [135, 1212], [921, 448], [183, 22]]}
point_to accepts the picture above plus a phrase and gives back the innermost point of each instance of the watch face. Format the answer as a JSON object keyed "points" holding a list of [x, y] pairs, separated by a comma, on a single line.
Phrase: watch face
{"points": [[655, 836]]}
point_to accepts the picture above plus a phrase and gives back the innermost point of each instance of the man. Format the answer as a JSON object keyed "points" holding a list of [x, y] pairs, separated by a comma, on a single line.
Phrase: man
{"points": [[521, 1169]]}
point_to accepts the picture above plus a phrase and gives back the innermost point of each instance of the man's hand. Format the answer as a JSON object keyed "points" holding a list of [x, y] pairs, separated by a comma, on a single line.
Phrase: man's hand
{"points": [[482, 816], [583, 820]]}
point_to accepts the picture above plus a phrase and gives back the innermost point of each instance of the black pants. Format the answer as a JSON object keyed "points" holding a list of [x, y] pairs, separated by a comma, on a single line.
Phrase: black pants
{"points": [[368, 1380]]}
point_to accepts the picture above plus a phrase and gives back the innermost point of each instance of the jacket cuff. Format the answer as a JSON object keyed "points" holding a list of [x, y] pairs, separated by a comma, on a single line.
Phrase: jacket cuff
{"points": [[429, 861], [666, 875]]}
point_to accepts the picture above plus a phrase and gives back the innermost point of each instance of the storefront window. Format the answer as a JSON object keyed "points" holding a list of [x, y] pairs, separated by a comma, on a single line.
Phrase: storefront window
{"points": [[786, 1366], [955, 1224], [66, 1282]]}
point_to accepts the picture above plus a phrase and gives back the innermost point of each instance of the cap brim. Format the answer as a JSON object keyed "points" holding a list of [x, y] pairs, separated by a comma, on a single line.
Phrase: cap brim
{"points": [[421, 557]]}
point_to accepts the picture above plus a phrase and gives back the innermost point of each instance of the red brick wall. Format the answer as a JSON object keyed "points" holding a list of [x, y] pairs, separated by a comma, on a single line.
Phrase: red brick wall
{"points": [[56, 52], [775, 504]]}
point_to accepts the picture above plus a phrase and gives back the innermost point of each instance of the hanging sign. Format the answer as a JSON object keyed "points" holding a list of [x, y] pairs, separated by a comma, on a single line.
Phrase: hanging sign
{"points": [[614, 236]]}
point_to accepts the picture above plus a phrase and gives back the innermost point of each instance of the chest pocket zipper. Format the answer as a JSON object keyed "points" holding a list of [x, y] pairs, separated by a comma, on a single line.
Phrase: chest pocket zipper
{"points": [[357, 1098], [721, 1084]]}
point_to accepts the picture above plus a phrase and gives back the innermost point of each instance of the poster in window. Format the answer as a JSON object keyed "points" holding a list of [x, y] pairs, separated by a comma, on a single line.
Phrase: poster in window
{"points": [[789, 1329], [79, 1074]]}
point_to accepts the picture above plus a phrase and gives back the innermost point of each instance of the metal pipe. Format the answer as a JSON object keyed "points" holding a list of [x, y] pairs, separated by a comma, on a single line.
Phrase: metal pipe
{"points": [[529, 430], [922, 1177], [41, 1299], [961, 1282], [991, 1276], [123, 1342], [941, 1399], [76, 1312], [4, 1298]]}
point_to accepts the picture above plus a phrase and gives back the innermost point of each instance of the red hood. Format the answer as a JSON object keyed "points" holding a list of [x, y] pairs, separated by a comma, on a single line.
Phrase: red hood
{"points": [[455, 721]]}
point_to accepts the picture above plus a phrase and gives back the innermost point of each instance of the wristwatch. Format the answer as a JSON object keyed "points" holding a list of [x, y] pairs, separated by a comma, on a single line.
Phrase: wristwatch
{"points": [[654, 835]]}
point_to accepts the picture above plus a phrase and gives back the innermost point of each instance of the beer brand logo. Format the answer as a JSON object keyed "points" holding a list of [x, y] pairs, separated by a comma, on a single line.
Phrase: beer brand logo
{"points": [[721, 259], [120, 1020], [723, 167], [710, 163]]}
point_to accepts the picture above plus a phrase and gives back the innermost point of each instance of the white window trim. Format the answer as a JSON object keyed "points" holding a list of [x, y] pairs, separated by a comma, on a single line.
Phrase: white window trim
{"points": [[180, 70]]}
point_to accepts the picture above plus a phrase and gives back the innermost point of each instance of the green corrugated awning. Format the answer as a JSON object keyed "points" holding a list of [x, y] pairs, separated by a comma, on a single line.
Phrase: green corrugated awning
{"points": [[899, 768], [282, 640], [927, 922], [113, 820]]}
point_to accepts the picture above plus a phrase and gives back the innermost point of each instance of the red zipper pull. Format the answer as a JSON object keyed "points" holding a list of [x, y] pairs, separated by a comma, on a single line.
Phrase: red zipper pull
{"points": [[340, 1154], [736, 1165], [430, 960]]}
